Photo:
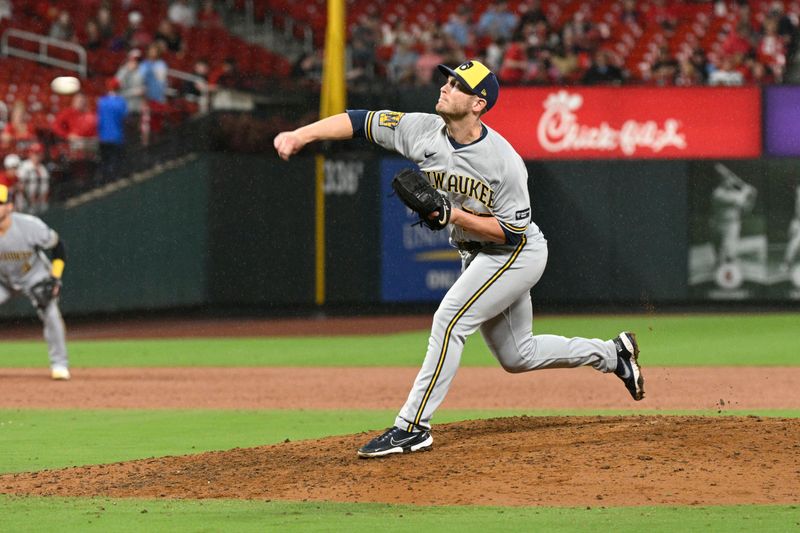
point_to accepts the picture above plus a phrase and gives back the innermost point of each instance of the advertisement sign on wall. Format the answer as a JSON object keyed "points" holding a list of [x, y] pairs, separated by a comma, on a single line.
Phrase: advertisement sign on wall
{"points": [[417, 264], [782, 121], [744, 231], [635, 123]]}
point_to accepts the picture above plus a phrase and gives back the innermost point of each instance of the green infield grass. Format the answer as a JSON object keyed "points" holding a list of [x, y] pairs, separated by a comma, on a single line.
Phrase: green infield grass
{"points": [[66, 515], [668, 340], [32, 439]]}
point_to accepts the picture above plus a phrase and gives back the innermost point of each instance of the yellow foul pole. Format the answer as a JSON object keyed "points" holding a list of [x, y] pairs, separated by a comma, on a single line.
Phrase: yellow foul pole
{"points": [[333, 100]]}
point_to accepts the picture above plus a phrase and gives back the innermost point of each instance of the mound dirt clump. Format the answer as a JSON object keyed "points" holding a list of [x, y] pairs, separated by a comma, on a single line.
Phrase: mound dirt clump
{"points": [[566, 461]]}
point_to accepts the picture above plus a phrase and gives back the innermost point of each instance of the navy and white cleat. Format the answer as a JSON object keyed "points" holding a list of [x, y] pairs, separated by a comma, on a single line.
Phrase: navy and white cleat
{"points": [[396, 440], [628, 368]]}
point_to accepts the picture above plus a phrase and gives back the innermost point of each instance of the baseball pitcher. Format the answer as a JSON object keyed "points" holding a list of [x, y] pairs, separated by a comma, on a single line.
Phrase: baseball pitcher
{"points": [[475, 185], [24, 268]]}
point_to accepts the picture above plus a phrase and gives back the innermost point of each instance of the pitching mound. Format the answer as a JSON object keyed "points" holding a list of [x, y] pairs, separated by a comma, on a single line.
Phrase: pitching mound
{"points": [[565, 461]]}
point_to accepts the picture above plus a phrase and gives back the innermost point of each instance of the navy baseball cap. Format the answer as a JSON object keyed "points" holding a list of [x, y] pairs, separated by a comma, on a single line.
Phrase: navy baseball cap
{"points": [[477, 79]]}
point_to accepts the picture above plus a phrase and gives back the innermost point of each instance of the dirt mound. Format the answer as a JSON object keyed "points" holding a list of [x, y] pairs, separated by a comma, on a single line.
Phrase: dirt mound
{"points": [[596, 461]]}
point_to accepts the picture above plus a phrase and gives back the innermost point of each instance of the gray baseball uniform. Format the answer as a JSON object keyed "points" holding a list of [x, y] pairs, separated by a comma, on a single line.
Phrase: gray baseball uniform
{"points": [[485, 178], [23, 265]]}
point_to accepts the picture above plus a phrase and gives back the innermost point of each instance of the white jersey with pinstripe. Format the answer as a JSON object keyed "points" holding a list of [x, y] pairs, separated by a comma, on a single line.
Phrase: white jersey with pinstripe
{"points": [[485, 178]]}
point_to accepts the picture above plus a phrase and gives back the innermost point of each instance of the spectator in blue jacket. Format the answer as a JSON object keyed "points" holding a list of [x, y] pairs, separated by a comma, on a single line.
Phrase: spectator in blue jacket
{"points": [[111, 111], [154, 75]]}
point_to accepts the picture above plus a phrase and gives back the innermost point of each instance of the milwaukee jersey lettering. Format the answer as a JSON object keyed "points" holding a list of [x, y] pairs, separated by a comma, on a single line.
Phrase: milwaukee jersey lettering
{"points": [[485, 178]]}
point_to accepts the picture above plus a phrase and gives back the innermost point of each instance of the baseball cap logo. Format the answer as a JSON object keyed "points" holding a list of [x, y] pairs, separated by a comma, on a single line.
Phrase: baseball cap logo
{"points": [[465, 66]]}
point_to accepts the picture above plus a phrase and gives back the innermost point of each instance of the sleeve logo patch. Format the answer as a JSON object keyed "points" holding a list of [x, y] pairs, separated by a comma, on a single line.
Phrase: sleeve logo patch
{"points": [[525, 214], [390, 119]]}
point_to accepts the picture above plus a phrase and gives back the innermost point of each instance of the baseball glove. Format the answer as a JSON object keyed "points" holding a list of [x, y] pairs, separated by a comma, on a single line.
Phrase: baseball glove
{"points": [[45, 291], [416, 192]]}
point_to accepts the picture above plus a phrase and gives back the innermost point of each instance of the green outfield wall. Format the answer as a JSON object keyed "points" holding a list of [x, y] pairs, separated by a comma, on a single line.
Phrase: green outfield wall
{"points": [[222, 231]]}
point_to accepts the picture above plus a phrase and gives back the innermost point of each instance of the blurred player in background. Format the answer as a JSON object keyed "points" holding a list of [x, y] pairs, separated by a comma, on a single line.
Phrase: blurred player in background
{"points": [[793, 246], [730, 200], [25, 269], [34, 182]]}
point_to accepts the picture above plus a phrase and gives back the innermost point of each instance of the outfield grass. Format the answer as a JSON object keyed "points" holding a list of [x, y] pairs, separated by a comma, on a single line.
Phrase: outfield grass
{"points": [[669, 340], [37, 439], [66, 515], [33, 440]]}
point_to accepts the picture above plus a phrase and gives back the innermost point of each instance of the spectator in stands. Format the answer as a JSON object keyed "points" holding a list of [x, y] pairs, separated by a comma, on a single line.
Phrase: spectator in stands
{"points": [[9, 175], [738, 43], [208, 17], [309, 66], [402, 67], [687, 75], [757, 73], [77, 125], [76, 122], [18, 133], [538, 67], [497, 21], [10, 178], [226, 76], [169, 39], [726, 73], [742, 14], [771, 47], [180, 12], [603, 71], [62, 28], [131, 83], [34, 182], [699, 61], [457, 25], [515, 62], [154, 76], [92, 40], [390, 33], [495, 51], [363, 43], [663, 14], [665, 67], [135, 34], [428, 60], [111, 112], [197, 88], [105, 24], [786, 28], [6, 10], [542, 35], [530, 12], [583, 33], [564, 63], [630, 14]]}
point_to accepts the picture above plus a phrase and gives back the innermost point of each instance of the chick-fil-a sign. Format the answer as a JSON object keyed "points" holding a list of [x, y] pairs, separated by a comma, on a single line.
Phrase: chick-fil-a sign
{"points": [[635, 123]]}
